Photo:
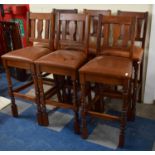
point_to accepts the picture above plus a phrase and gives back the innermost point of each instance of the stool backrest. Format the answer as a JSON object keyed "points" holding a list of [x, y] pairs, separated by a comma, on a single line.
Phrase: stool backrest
{"points": [[94, 25], [73, 31], [94, 19], [57, 12], [40, 27], [141, 24], [119, 34]]}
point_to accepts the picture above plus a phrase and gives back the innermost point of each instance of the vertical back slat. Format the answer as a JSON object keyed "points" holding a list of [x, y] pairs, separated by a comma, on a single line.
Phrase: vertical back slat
{"points": [[72, 30], [116, 34], [87, 32], [64, 28], [80, 31], [40, 28], [33, 28], [47, 24], [52, 32], [58, 30], [139, 27], [106, 32], [126, 35], [94, 27]]}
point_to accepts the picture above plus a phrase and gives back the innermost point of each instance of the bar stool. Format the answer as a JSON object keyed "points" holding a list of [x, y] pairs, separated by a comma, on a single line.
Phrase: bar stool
{"points": [[71, 54], [24, 58], [110, 70]]}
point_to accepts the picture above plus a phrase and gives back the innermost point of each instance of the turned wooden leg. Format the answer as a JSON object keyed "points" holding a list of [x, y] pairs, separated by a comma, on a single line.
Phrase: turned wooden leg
{"points": [[10, 90], [76, 109], [84, 133], [69, 98], [44, 114], [130, 100], [63, 86], [57, 87], [140, 82], [123, 114], [89, 93], [134, 91], [37, 94], [99, 105], [101, 99], [97, 92]]}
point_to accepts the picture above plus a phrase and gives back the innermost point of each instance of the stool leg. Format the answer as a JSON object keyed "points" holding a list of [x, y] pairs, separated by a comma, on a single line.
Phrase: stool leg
{"points": [[57, 87], [134, 91], [69, 90], [44, 114], [130, 100], [89, 93], [140, 81], [37, 94], [83, 113], [10, 89], [64, 90], [102, 108], [76, 109], [123, 114]]}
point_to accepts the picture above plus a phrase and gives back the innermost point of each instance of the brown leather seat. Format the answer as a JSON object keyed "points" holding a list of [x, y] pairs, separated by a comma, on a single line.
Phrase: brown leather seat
{"points": [[109, 66], [137, 53], [64, 58], [28, 54]]}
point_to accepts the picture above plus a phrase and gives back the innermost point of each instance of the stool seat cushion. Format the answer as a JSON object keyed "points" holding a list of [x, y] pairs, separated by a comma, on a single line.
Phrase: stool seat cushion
{"points": [[70, 59], [111, 66], [27, 54]]}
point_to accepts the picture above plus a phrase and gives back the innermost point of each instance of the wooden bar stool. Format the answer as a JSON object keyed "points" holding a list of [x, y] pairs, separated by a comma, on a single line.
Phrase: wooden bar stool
{"points": [[110, 70], [138, 56], [24, 58], [71, 54]]}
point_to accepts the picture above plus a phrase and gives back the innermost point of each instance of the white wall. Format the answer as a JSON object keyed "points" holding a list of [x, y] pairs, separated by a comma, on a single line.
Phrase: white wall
{"points": [[150, 77], [80, 7], [114, 8]]}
